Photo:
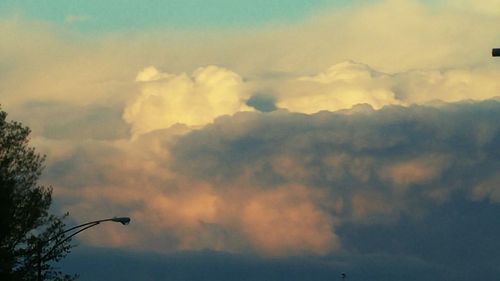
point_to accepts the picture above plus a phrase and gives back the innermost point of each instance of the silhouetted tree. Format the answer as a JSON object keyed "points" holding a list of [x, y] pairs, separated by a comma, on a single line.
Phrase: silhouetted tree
{"points": [[29, 236]]}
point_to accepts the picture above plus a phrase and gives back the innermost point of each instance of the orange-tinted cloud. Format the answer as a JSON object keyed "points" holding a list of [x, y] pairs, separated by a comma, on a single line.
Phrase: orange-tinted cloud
{"points": [[288, 221], [251, 181], [415, 171]]}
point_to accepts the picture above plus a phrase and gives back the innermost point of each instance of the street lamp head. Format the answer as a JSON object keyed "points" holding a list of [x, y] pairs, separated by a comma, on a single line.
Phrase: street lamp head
{"points": [[496, 52], [122, 220]]}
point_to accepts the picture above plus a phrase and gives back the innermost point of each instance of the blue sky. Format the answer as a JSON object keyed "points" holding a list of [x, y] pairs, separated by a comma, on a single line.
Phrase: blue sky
{"points": [[95, 15]]}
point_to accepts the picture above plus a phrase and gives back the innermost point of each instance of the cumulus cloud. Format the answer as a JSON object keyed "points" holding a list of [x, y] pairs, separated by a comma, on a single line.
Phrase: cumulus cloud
{"points": [[195, 100], [168, 99], [414, 171], [349, 83], [242, 180], [172, 212], [487, 189], [397, 66], [280, 183], [288, 221], [340, 86], [401, 155], [392, 36]]}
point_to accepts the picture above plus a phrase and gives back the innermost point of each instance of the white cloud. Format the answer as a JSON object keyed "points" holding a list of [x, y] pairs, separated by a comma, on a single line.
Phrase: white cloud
{"points": [[196, 100], [166, 99], [412, 53], [150, 73], [341, 86], [347, 84]]}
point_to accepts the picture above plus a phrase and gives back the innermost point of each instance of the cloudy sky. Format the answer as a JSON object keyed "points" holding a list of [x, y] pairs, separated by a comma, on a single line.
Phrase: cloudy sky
{"points": [[265, 140]]}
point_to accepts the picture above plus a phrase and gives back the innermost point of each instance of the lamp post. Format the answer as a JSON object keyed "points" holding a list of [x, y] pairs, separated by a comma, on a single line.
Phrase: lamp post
{"points": [[495, 52], [75, 230]]}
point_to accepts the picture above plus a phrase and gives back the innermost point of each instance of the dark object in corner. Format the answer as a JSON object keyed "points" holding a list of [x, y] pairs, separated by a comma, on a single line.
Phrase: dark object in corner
{"points": [[496, 52]]}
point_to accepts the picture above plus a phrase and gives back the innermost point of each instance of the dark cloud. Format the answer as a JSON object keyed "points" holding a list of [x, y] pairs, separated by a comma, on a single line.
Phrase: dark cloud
{"points": [[262, 103], [459, 236], [418, 182], [105, 264], [89, 161], [339, 150], [402, 193]]}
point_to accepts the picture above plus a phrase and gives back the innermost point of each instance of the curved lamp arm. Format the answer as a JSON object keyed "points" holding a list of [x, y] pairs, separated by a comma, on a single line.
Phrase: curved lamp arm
{"points": [[122, 220], [78, 229]]}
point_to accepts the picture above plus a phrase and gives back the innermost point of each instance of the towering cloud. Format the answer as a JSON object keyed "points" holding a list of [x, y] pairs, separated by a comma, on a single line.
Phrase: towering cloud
{"points": [[346, 84], [340, 87], [168, 99], [283, 183], [364, 135]]}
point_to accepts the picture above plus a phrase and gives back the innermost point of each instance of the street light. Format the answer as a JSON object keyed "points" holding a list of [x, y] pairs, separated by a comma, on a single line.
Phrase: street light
{"points": [[77, 229], [122, 220], [496, 52]]}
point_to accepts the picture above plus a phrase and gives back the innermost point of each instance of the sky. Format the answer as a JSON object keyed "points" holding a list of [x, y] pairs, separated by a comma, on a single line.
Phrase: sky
{"points": [[108, 16], [265, 140]]}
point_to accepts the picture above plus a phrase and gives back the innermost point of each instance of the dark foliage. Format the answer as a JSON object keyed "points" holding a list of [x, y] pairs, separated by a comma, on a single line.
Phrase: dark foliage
{"points": [[29, 235]]}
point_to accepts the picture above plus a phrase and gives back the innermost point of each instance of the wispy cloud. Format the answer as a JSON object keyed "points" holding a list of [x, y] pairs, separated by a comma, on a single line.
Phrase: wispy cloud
{"points": [[72, 19]]}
